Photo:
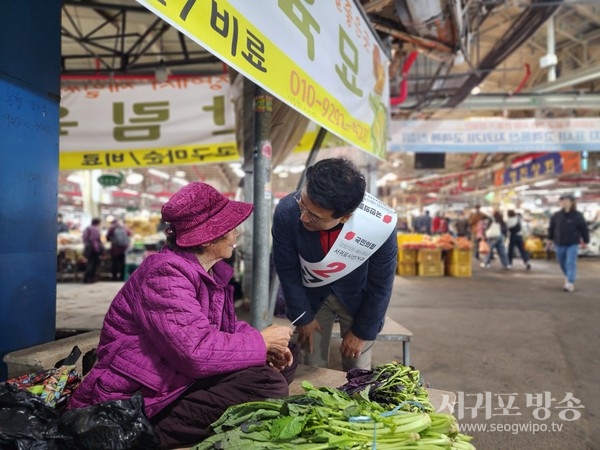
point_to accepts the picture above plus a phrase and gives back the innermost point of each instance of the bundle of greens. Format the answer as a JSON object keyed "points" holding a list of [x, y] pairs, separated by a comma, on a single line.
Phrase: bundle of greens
{"points": [[325, 418], [390, 384]]}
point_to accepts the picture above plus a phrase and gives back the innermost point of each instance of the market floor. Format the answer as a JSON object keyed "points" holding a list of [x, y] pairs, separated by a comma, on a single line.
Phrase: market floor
{"points": [[511, 343]]}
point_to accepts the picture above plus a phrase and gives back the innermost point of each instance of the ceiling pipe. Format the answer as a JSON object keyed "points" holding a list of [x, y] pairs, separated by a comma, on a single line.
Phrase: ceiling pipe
{"points": [[404, 83], [524, 80]]}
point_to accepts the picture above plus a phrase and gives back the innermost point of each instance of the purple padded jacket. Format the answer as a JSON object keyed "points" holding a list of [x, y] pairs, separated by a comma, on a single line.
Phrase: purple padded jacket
{"points": [[169, 325]]}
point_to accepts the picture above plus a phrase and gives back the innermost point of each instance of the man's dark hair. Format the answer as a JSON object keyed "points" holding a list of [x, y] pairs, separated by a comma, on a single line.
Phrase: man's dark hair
{"points": [[335, 184], [96, 221]]}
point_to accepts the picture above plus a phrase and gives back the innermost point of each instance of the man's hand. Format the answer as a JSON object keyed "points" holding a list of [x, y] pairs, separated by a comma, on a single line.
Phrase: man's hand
{"points": [[305, 334], [351, 345]]}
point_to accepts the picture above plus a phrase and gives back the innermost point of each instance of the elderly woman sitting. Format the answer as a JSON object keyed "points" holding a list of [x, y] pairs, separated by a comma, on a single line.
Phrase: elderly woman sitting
{"points": [[171, 332]]}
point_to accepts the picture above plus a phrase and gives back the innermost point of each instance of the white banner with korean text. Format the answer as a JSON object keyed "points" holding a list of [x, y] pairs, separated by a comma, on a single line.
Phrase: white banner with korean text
{"points": [[321, 58], [496, 135], [130, 124]]}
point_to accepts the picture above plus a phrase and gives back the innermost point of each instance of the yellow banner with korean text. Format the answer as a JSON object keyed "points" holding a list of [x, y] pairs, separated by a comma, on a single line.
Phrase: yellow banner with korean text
{"points": [[322, 59], [149, 157]]}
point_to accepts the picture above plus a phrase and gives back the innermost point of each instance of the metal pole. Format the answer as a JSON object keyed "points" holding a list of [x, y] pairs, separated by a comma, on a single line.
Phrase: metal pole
{"points": [[551, 44], [259, 305]]}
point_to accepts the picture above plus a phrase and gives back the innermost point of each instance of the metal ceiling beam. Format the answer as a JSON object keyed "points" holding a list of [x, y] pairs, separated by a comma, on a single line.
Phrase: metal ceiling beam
{"points": [[521, 101], [572, 79]]}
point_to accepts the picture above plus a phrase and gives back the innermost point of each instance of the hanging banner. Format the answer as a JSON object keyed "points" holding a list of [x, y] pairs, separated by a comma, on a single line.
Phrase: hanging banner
{"points": [[321, 58], [129, 124], [548, 164], [496, 135]]}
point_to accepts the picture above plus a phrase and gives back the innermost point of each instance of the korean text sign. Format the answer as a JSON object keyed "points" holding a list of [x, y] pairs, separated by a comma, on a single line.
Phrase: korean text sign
{"points": [[496, 135], [129, 124], [321, 58]]}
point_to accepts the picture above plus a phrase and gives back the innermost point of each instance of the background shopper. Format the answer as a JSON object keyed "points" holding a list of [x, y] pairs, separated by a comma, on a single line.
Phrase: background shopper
{"points": [[92, 250], [495, 234], [568, 231], [515, 238]]}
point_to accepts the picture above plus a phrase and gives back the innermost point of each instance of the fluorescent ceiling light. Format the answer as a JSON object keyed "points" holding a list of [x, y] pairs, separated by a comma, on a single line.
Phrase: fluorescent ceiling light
{"points": [[522, 188], [134, 178], [180, 174], [159, 173], [544, 182], [180, 181], [130, 191]]}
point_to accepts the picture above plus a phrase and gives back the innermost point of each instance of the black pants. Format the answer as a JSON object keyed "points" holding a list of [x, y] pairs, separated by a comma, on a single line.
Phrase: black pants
{"points": [[186, 421], [118, 267], [516, 242], [93, 260]]}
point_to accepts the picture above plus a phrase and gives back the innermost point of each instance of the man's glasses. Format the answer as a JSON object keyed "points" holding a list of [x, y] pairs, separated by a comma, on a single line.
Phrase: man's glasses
{"points": [[304, 210]]}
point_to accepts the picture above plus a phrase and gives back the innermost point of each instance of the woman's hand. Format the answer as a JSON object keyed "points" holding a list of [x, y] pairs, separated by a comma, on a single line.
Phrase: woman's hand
{"points": [[280, 361], [276, 338]]}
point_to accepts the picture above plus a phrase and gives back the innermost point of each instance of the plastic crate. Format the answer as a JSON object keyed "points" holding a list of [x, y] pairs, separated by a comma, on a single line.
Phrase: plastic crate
{"points": [[407, 269], [407, 255], [429, 255], [460, 256], [459, 270], [431, 269]]}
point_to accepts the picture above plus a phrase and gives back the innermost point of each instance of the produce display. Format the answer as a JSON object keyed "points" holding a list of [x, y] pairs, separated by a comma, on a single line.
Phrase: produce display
{"points": [[372, 417], [390, 384], [439, 241]]}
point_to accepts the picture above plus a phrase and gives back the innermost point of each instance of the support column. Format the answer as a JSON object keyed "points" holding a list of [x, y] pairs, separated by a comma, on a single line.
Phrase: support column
{"points": [[261, 243], [29, 134]]}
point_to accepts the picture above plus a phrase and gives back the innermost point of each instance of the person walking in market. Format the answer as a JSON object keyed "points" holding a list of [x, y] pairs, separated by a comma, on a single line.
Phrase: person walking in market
{"points": [[335, 251], [474, 218], [515, 238], [92, 250], [495, 234], [568, 231], [119, 237]]}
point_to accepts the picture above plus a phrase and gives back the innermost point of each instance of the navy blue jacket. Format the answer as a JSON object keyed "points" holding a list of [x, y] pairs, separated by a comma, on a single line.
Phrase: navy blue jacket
{"points": [[365, 292], [568, 228]]}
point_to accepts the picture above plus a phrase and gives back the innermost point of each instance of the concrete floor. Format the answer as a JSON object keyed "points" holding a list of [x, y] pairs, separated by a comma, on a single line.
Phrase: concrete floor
{"points": [[497, 339]]}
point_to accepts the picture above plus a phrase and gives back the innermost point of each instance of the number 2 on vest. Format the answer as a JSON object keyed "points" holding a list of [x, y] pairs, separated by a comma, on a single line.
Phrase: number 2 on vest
{"points": [[335, 267]]}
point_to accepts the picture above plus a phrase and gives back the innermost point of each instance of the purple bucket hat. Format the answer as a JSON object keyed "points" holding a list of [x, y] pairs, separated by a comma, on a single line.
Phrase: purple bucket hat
{"points": [[198, 214]]}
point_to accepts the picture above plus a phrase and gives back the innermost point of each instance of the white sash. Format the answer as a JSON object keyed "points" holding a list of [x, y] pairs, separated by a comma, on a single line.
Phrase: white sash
{"points": [[368, 227]]}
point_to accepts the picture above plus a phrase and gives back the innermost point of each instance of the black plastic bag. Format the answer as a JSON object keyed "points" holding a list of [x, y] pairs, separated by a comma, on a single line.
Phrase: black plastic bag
{"points": [[114, 425], [26, 422]]}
